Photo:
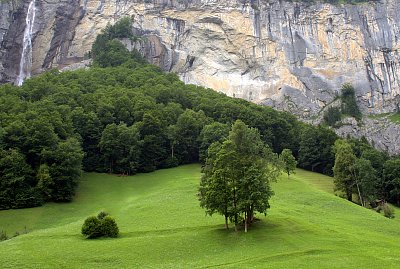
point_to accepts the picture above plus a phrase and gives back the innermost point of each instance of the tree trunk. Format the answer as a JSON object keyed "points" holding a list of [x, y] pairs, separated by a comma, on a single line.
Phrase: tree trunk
{"points": [[250, 215], [226, 222], [245, 222], [349, 194], [234, 208], [359, 194]]}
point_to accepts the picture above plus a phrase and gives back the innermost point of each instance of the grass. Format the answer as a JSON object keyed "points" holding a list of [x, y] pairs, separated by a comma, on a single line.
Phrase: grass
{"points": [[395, 118], [162, 226]]}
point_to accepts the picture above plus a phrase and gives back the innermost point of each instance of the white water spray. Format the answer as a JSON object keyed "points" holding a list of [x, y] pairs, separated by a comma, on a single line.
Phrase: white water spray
{"points": [[26, 56]]}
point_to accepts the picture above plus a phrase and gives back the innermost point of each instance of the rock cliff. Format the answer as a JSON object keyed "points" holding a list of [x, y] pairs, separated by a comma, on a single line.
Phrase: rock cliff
{"points": [[291, 55]]}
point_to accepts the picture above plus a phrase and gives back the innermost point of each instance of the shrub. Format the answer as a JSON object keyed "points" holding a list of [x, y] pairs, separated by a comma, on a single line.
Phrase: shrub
{"points": [[91, 228], [388, 211], [101, 226], [332, 115], [109, 227], [3, 235], [102, 215], [349, 102]]}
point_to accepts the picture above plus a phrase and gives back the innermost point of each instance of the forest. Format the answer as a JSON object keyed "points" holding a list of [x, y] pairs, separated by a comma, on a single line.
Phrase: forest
{"points": [[125, 116]]}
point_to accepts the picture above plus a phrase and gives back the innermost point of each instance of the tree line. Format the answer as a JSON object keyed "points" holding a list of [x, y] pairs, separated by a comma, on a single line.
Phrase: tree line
{"points": [[369, 175]]}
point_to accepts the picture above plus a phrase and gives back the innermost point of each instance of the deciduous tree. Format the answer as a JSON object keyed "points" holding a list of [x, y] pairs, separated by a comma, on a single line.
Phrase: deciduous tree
{"points": [[344, 169], [288, 161], [237, 177]]}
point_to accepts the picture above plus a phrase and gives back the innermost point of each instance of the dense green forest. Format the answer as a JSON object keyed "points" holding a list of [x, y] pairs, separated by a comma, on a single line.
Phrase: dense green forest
{"points": [[125, 116]]}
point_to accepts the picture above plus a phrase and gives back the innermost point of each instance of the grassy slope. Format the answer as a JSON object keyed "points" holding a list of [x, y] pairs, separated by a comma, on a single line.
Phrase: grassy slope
{"points": [[163, 227]]}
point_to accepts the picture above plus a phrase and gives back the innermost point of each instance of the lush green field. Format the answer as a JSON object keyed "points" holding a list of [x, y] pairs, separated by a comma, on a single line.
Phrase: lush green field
{"points": [[162, 226]]}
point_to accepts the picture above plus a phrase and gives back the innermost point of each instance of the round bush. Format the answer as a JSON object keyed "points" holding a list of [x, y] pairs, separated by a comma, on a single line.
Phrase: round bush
{"points": [[109, 227], [91, 228], [102, 225]]}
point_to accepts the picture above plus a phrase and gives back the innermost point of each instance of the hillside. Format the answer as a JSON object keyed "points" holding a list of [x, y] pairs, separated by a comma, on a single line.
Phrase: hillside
{"points": [[162, 226]]}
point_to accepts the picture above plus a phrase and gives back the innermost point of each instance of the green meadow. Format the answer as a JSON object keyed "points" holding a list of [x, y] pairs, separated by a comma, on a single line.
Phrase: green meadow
{"points": [[162, 226]]}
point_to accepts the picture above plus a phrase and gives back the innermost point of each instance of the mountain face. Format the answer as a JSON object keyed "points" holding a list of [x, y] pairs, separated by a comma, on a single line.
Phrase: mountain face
{"points": [[291, 55]]}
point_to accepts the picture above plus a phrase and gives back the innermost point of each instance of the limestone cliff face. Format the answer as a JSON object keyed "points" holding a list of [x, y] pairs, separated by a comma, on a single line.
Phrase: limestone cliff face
{"points": [[293, 56]]}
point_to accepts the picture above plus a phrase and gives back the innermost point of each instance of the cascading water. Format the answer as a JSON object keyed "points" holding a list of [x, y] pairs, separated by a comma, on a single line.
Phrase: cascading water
{"points": [[26, 56]]}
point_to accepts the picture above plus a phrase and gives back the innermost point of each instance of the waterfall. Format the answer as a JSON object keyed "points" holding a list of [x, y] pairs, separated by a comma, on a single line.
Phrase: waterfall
{"points": [[25, 64]]}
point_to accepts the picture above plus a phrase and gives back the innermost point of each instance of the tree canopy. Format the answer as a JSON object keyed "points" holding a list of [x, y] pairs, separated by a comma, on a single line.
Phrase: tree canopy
{"points": [[237, 176], [288, 161]]}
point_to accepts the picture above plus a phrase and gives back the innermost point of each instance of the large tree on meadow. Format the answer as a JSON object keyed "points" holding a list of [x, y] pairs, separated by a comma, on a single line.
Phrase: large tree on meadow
{"points": [[237, 177]]}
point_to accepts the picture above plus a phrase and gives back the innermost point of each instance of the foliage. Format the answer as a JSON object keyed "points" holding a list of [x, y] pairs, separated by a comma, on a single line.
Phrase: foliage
{"points": [[237, 176], [363, 170], [288, 161], [3, 236], [121, 29], [101, 226], [344, 169], [108, 51], [91, 227], [388, 211], [102, 215], [348, 107], [17, 183], [391, 180], [315, 152], [349, 102], [109, 227], [120, 147], [366, 181], [332, 115], [211, 133]]}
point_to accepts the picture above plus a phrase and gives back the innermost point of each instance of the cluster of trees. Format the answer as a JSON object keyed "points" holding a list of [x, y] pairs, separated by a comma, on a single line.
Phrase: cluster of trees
{"points": [[366, 172], [237, 176], [348, 107], [40, 155], [124, 118]]}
